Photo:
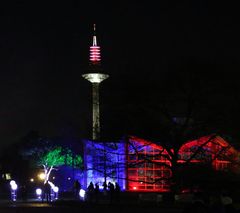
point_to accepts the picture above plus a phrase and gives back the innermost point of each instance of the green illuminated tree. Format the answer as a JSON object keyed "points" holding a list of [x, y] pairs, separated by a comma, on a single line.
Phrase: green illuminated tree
{"points": [[50, 155], [58, 156]]}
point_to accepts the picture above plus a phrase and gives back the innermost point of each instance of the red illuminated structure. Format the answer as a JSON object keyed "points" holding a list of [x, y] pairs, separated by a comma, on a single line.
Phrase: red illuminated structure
{"points": [[149, 164], [217, 151], [146, 166], [95, 55]]}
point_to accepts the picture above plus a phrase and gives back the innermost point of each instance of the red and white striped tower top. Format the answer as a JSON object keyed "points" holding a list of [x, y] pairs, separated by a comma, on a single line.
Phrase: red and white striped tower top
{"points": [[95, 55]]}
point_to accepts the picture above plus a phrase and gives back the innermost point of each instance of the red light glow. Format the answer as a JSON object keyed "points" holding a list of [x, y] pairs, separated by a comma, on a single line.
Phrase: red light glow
{"points": [[95, 55], [149, 171]]}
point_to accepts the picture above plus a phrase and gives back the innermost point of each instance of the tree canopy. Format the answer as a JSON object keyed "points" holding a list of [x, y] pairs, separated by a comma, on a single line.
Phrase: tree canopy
{"points": [[50, 154], [59, 156]]}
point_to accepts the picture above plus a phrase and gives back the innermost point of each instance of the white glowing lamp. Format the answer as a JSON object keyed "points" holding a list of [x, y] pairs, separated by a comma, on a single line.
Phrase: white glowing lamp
{"points": [[13, 185], [55, 189], [82, 193], [38, 191], [12, 182]]}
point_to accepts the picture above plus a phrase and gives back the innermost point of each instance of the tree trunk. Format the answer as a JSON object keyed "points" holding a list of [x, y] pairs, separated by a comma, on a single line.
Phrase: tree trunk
{"points": [[47, 172]]}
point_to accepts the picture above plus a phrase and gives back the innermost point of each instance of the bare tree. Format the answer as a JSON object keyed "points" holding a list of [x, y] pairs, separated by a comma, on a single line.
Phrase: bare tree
{"points": [[191, 111], [185, 106]]}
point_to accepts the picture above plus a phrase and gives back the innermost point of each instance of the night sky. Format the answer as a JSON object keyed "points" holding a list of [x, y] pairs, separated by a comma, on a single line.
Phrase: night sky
{"points": [[147, 49]]}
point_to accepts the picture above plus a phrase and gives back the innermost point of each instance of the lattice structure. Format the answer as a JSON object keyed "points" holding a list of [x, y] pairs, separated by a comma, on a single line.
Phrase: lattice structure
{"points": [[105, 161], [141, 165], [210, 148], [147, 169], [149, 165]]}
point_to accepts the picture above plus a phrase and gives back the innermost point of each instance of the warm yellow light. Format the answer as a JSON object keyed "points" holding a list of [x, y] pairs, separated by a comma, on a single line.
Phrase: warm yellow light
{"points": [[8, 176], [31, 180], [41, 176]]}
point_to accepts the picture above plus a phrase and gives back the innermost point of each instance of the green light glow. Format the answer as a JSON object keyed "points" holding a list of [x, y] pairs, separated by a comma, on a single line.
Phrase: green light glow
{"points": [[59, 156]]}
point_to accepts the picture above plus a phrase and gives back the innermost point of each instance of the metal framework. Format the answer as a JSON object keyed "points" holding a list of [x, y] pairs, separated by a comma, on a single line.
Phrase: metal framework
{"points": [[141, 165]]}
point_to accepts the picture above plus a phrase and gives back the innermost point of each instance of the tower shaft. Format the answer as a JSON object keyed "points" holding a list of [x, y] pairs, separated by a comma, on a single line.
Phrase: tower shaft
{"points": [[95, 113]]}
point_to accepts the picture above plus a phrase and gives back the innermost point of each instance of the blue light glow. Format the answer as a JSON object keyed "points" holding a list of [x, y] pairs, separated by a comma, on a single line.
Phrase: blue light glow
{"points": [[105, 161]]}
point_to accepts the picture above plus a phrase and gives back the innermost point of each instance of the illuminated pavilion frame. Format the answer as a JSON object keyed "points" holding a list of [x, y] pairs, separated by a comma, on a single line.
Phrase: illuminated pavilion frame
{"points": [[95, 78], [141, 175], [136, 174], [105, 161]]}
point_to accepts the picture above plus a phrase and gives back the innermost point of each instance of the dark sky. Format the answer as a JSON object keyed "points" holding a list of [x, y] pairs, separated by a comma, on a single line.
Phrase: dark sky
{"points": [[147, 47]]}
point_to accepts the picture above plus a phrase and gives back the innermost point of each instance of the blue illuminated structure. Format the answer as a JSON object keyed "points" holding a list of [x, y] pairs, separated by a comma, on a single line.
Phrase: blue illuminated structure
{"points": [[104, 162], [141, 165]]}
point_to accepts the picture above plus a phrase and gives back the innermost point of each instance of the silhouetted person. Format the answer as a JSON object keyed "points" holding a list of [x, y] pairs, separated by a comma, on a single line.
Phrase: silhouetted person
{"points": [[96, 192], [46, 192], [90, 191], [117, 191], [111, 191], [77, 187], [104, 188]]}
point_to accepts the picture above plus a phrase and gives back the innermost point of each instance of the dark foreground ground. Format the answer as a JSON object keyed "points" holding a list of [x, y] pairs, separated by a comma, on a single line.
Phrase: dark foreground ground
{"points": [[129, 203], [69, 208]]}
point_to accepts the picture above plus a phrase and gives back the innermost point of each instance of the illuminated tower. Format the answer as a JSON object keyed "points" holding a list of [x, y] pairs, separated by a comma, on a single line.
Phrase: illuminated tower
{"points": [[95, 77]]}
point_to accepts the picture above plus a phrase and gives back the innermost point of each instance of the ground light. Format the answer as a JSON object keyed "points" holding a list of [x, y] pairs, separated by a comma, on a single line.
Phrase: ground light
{"points": [[14, 187], [82, 194], [54, 191], [39, 193]]}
